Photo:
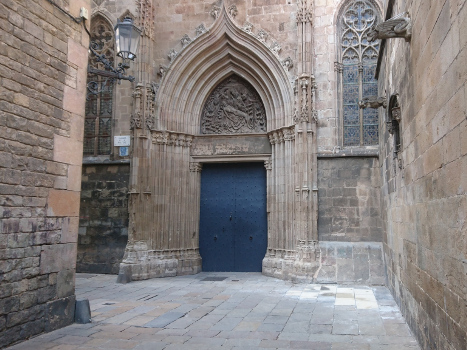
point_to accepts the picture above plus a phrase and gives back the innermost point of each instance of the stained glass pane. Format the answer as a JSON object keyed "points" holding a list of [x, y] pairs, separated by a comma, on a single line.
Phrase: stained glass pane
{"points": [[90, 127], [88, 146], [370, 116], [98, 123], [370, 135], [351, 115], [105, 126], [350, 94], [350, 56], [104, 145], [350, 74], [370, 90], [357, 19], [369, 74], [351, 135]]}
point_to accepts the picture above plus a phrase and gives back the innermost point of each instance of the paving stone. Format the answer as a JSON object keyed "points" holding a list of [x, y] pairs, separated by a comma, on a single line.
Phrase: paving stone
{"points": [[164, 320], [269, 314]]}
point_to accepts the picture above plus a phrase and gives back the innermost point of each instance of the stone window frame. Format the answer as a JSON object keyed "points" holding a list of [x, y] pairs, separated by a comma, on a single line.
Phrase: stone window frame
{"points": [[339, 68], [95, 117]]}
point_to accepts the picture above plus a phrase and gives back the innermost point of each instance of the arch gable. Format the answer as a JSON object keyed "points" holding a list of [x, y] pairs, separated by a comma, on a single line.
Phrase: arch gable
{"points": [[223, 50]]}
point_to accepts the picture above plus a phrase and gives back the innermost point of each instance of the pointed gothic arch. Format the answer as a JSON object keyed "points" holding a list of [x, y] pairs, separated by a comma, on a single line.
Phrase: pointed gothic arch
{"points": [[222, 51]]}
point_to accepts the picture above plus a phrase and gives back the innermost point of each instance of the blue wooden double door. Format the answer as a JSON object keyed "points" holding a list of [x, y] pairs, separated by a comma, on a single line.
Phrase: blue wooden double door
{"points": [[233, 219]]}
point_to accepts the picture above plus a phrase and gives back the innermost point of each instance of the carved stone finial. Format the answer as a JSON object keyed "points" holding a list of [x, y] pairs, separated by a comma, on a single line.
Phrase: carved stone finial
{"points": [[314, 116], [262, 35], [248, 27], [373, 102], [287, 63], [399, 26], [185, 41], [162, 71], [172, 55], [215, 12], [150, 122], [201, 29], [304, 14], [396, 113], [196, 167], [276, 48], [155, 88], [135, 121], [233, 12], [338, 67]]}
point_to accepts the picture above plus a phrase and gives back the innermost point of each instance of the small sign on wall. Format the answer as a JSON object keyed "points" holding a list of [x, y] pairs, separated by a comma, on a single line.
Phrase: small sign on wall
{"points": [[124, 151], [121, 141]]}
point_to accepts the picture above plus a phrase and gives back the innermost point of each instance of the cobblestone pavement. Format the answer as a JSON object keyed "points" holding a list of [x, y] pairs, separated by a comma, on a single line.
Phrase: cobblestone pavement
{"points": [[243, 311]]}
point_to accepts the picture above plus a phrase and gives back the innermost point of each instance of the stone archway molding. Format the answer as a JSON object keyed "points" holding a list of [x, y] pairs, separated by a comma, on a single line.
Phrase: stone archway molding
{"points": [[222, 50]]}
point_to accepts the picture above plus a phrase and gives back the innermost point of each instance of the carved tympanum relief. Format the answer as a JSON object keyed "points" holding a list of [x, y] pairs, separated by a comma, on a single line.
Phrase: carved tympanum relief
{"points": [[234, 107]]}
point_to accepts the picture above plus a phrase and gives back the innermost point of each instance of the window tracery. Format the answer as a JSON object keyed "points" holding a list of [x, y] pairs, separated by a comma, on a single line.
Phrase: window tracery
{"points": [[98, 121], [357, 70]]}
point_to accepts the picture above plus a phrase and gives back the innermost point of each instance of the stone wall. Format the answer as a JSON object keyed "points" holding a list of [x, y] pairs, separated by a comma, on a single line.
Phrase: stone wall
{"points": [[42, 88], [424, 195], [103, 231], [349, 205]]}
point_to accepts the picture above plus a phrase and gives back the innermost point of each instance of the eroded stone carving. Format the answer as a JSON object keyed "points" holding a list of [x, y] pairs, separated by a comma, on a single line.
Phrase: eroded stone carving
{"points": [[196, 167], [136, 121], [185, 41], [233, 12], [268, 164], [373, 102], [215, 12], [248, 27], [399, 26], [276, 48], [162, 71], [287, 63], [262, 35], [233, 107], [201, 29], [172, 55], [146, 17], [304, 14]]}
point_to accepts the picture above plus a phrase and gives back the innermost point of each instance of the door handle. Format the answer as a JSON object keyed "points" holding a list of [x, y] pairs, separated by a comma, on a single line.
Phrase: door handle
{"points": [[251, 238], [215, 238]]}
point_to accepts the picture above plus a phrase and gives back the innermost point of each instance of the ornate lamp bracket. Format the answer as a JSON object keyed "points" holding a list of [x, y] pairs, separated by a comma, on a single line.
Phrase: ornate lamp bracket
{"points": [[110, 73]]}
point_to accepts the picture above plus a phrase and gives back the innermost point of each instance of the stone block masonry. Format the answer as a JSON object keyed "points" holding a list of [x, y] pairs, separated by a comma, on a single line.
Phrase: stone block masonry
{"points": [[349, 200], [424, 190], [103, 231], [42, 90]]}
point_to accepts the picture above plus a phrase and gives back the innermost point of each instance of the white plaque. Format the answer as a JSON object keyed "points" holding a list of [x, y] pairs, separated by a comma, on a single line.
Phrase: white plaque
{"points": [[121, 141]]}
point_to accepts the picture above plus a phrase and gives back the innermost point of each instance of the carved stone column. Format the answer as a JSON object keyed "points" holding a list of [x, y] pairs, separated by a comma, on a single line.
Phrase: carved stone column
{"points": [[293, 251]]}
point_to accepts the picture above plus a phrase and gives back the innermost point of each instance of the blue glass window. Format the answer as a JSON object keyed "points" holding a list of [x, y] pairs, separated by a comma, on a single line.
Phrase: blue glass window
{"points": [[359, 58]]}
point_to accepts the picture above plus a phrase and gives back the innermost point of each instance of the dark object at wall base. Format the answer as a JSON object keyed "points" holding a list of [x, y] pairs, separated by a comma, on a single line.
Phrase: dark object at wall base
{"points": [[82, 311], [124, 275]]}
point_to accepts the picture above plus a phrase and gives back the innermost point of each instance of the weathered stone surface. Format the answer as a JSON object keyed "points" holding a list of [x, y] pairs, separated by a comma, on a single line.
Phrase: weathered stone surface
{"points": [[348, 198], [35, 132], [103, 218]]}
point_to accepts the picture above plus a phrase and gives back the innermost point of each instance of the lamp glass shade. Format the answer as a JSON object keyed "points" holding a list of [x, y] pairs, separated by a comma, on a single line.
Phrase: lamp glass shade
{"points": [[127, 38]]}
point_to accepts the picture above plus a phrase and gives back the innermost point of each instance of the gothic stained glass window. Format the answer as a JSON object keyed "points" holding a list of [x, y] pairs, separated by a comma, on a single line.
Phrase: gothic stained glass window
{"points": [[359, 58], [98, 122]]}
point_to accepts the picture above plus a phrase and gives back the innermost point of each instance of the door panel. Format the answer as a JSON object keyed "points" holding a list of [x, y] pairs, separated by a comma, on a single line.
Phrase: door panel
{"points": [[233, 224]]}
